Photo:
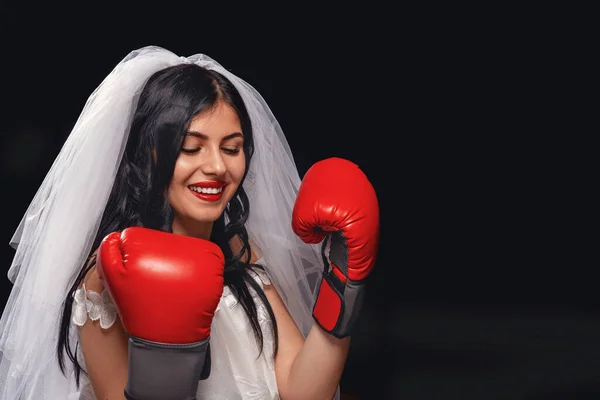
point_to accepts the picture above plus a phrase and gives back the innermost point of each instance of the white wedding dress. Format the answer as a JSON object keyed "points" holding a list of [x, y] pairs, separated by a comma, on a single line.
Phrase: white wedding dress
{"points": [[245, 377]]}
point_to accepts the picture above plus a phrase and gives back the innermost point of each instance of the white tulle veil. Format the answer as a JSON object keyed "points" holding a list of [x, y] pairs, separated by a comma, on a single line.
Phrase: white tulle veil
{"points": [[56, 233]]}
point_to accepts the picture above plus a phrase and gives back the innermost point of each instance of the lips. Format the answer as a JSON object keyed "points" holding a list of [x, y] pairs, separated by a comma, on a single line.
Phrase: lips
{"points": [[209, 184], [208, 191]]}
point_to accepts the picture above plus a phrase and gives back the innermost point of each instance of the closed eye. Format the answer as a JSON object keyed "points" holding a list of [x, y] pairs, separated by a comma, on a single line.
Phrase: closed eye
{"points": [[231, 151], [225, 149]]}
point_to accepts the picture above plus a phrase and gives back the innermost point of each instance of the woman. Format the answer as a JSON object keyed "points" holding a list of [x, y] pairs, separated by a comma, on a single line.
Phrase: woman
{"points": [[156, 124]]}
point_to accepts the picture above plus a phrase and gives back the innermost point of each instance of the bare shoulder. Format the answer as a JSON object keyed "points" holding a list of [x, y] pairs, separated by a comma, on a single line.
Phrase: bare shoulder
{"points": [[273, 296], [92, 286], [290, 339], [92, 280], [104, 349]]}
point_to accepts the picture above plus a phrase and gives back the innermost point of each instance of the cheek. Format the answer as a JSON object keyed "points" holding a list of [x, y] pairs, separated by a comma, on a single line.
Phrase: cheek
{"points": [[238, 169], [181, 172], [180, 175]]}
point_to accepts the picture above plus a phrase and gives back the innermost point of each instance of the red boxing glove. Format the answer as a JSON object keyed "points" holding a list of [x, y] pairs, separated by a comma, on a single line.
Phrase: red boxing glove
{"points": [[336, 202], [166, 288]]}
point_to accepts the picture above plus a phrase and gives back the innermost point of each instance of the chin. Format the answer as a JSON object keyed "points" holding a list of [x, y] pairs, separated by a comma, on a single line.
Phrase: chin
{"points": [[206, 218]]}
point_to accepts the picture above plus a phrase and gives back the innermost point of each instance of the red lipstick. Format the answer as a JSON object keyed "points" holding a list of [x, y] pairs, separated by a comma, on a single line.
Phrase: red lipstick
{"points": [[197, 187]]}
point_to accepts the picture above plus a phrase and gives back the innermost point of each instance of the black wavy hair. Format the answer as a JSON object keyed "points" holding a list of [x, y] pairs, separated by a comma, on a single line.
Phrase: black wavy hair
{"points": [[169, 101]]}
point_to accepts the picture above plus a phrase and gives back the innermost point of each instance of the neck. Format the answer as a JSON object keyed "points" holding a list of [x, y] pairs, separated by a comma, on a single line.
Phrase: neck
{"points": [[201, 230]]}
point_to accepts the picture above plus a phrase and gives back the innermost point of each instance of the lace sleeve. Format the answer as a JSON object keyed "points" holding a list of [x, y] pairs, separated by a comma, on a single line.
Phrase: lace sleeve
{"points": [[93, 305]]}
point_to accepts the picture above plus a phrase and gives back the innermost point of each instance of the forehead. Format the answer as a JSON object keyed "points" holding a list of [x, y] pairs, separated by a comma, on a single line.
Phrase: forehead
{"points": [[221, 118]]}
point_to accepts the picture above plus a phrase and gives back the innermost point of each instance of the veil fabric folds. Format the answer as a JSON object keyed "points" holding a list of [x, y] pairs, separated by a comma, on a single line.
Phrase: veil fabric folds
{"points": [[56, 233]]}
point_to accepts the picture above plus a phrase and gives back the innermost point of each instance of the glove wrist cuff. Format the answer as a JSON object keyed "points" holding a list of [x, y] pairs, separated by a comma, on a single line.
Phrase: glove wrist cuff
{"points": [[166, 371], [338, 305]]}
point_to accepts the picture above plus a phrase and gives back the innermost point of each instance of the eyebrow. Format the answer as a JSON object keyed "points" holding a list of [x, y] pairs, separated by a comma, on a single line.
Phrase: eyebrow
{"points": [[205, 137]]}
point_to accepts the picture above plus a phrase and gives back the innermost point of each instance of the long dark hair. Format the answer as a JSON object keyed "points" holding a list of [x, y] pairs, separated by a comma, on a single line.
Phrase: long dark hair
{"points": [[167, 104]]}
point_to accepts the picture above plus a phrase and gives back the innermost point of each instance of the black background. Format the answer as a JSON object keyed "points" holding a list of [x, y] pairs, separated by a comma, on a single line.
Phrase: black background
{"points": [[481, 290]]}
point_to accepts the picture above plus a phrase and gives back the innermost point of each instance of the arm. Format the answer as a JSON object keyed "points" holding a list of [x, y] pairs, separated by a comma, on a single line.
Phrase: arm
{"points": [[104, 351], [305, 369], [337, 206], [308, 369]]}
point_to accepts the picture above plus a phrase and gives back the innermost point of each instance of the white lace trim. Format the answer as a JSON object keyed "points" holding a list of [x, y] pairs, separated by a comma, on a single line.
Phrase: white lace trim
{"points": [[90, 304]]}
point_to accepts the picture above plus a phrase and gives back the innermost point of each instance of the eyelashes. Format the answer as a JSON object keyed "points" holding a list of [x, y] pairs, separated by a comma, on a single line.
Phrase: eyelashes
{"points": [[197, 149], [231, 151]]}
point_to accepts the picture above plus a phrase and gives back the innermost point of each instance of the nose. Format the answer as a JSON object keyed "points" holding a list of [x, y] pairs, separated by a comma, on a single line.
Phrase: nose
{"points": [[213, 164]]}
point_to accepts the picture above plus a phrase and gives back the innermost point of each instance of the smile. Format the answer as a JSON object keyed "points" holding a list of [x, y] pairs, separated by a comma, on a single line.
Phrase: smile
{"points": [[208, 192]]}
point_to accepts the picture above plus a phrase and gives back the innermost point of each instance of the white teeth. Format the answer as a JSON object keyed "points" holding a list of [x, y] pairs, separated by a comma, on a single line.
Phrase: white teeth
{"points": [[206, 190]]}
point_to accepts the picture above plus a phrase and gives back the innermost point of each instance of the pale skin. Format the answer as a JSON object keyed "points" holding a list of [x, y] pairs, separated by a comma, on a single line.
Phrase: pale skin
{"points": [[308, 368]]}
